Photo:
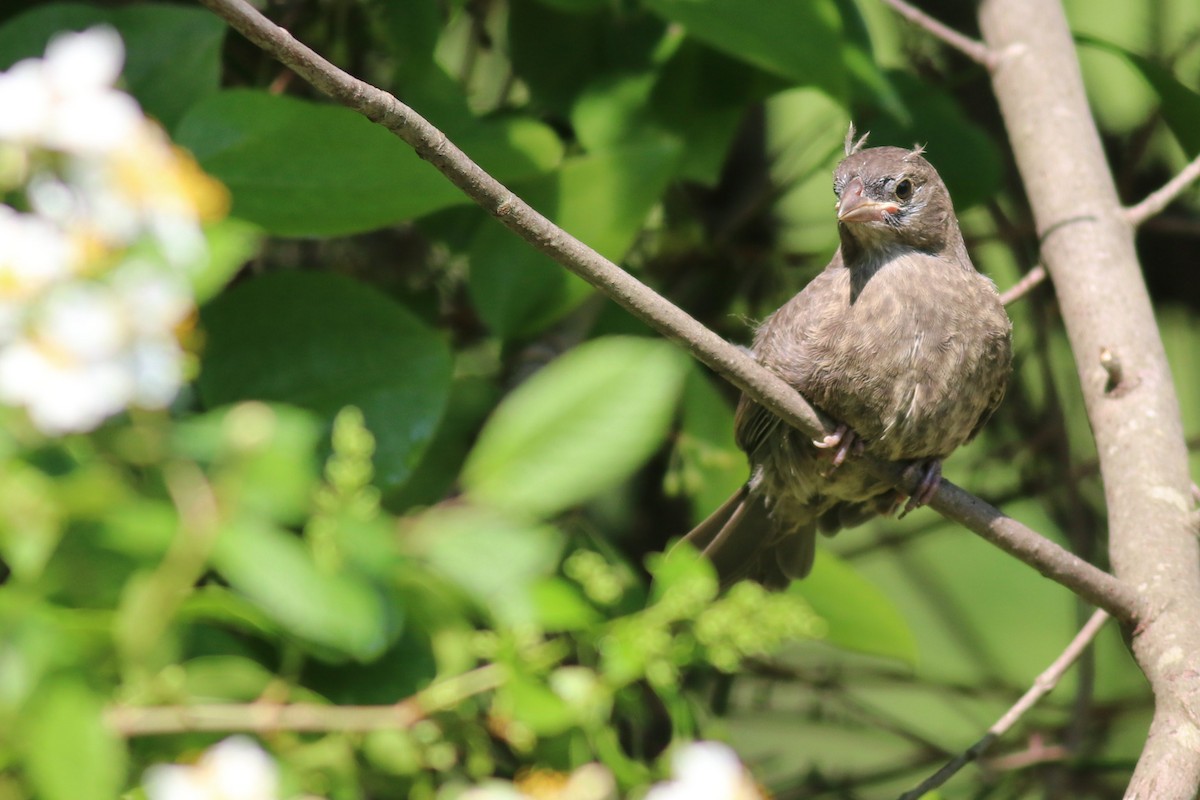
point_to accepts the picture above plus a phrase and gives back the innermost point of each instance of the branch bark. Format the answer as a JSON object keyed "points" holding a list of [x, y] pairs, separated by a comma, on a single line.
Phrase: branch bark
{"points": [[1090, 583], [263, 717], [1087, 247]]}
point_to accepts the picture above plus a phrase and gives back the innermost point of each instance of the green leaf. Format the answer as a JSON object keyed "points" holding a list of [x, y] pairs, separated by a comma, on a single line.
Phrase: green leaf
{"points": [[299, 168], [602, 199], [1180, 106], [561, 606], [407, 666], [275, 571], [231, 243], [31, 519], [797, 40], [859, 615], [471, 400], [324, 342], [172, 52], [578, 427], [70, 753], [682, 570], [576, 5], [588, 46], [493, 558], [535, 706], [865, 58], [410, 30], [221, 606], [261, 458], [710, 466], [964, 153], [304, 169], [701, 97], [508, 146], [1118, 97], [516, 289], [805, 131], [224, 678]]}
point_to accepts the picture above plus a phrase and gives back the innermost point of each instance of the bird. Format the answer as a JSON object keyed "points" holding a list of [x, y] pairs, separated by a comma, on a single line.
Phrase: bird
{"points": [[899, 339]]}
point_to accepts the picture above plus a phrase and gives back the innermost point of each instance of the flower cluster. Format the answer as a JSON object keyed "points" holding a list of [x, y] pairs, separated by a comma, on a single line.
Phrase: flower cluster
{"points": [[99, 231]]}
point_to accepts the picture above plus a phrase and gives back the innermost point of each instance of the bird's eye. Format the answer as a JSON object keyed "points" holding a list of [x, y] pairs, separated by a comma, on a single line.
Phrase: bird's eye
{"points": [[904, 189]]}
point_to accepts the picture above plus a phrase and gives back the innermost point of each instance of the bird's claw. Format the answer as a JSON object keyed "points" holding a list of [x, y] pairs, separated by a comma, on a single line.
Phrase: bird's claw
{"points": [[845, 440], [927, 486]]}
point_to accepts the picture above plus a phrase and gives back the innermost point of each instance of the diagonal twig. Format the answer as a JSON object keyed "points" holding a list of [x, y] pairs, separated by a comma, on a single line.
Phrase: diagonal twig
{"points": [[770, 391], [1031, 280], [1159, 199], [973, 49], [1042, 686]]}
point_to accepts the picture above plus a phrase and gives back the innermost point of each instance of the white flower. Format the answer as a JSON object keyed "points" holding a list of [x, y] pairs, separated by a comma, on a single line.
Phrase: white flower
{"points": [[66, 371], [26, 102], [154, 299], [83, 322], [66, 101], [156, 369], [235, 769], [706, 771], [85, 63], [33, 254]]}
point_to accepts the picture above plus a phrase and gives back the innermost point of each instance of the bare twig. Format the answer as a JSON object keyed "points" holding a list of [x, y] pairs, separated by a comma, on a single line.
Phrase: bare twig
{"points": [[1038, 752], [763, 386], [1027, 284], [1041, 687], [971, 48], [1158, 200], [261, 717]]}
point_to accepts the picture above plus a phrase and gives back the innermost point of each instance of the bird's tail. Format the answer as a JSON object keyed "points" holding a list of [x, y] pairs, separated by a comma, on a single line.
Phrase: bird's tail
{"points": [[743, 541]]}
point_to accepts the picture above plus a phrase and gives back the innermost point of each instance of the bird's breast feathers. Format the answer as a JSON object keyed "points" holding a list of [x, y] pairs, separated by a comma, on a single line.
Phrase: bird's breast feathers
{"points": [[897, 356]]}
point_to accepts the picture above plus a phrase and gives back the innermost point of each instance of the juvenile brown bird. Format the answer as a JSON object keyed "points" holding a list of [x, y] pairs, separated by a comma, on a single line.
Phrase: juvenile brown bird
{"points": [[900, 339]]}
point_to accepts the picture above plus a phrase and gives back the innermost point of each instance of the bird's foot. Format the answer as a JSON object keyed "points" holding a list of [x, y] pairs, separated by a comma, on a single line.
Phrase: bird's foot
{"points": [[845, 440], [928, 485]]}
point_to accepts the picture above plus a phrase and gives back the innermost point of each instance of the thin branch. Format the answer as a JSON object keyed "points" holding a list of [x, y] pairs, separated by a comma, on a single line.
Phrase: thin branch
{"points": [[1038, 752], [1041, 687], [262, 717], [763, 386], [973, 49], [1158, 200], [1027, 284]]}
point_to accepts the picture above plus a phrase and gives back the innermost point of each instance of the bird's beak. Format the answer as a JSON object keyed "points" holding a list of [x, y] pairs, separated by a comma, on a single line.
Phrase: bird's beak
{"points": [[855, 207]]}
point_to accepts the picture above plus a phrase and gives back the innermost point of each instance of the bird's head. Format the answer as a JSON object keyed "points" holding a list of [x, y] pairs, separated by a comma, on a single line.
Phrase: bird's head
{"points": [[890, 198]]}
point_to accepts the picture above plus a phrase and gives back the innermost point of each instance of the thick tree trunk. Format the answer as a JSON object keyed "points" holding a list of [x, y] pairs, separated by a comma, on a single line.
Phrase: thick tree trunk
{"points": [[1087, 246]]}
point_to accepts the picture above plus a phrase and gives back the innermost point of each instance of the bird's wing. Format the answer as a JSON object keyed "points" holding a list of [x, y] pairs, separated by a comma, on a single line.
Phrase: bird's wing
{"points": [[753, 425]]}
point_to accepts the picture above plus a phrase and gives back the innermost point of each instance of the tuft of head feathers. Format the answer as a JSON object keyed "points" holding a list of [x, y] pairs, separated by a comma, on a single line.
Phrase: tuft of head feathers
{"points": [[851, 145]]}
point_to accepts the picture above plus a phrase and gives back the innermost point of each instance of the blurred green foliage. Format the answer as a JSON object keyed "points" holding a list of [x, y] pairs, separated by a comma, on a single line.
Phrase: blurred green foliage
{"points": [[416, 449]]}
